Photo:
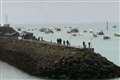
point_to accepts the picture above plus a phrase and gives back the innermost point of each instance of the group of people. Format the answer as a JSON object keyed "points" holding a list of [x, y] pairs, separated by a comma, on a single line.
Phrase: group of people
{"points": [[66, 42], [84, 45], [60, 41], [40, 38]]}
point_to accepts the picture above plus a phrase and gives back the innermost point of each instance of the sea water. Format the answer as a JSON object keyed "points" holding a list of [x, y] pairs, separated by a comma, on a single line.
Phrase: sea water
{"points": [[107, 48]]}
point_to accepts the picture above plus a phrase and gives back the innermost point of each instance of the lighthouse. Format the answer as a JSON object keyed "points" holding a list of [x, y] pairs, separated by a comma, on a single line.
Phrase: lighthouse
{"points": [[3, 20], [5, 24], [1, 14]]}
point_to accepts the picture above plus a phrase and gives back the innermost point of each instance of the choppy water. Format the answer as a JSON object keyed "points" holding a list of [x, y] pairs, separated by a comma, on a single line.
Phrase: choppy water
{"points": [[107, 48]]}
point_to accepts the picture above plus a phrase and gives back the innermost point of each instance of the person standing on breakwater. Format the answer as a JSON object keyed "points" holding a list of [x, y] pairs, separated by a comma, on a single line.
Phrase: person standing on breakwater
{"points": [[84, 45], [38, 38], [88, 44], [68, 43], [42, 39], [59, 41], [63, 42]]}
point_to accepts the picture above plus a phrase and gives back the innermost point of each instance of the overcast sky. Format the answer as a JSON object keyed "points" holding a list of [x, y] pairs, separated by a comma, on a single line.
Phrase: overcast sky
{"points": [[64, 11]]}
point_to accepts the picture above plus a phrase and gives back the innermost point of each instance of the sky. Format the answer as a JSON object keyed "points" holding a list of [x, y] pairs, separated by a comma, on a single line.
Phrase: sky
{"points": [[59, 11]]}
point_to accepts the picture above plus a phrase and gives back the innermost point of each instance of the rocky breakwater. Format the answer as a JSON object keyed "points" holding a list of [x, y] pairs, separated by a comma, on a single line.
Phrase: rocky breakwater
{"points": [[44, 59]]}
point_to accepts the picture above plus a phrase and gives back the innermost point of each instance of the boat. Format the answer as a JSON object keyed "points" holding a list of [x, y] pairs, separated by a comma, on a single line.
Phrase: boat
{"points": [[114, 26], [90, 30], [74, 34], [106, 37], [100, 33], [94, 35], [85, 31], [117, 34]]}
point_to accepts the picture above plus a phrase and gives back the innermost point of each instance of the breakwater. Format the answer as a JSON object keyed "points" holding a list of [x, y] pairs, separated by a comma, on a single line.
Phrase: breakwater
{"points": [[55, 61]]}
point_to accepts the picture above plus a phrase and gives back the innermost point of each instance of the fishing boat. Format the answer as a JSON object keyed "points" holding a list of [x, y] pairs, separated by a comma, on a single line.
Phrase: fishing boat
{"points": [[90, 30], [85, 31], [106, 36], [100, 33], [117, 34], [94, 35], [74, 34], [114, 26]]}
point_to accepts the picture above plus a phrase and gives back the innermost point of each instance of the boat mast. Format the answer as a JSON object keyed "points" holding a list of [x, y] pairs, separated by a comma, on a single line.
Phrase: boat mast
{"points": [[6, 19], [107, 26], [1, 3]]}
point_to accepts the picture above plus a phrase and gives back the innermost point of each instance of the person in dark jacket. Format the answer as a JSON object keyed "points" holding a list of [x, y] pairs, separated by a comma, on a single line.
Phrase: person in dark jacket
{"points": [[89, 45], [68, 43], [42, 39], [84, 45], [59, 41], [63, 42]]}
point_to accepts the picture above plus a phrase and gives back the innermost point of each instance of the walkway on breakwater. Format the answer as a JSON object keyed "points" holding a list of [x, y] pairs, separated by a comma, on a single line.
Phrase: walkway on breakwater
{"points": [[46, 42]]}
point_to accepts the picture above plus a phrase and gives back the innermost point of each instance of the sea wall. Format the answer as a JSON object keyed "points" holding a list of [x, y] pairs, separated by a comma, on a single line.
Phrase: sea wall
{"points": [[45, 59]]}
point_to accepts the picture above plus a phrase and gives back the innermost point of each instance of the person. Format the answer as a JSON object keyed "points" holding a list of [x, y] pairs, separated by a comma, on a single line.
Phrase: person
{"points": [[38, 38], [63, 42], [84, 45], [51, 41], [89, 44], [68, 43], [60, 41], [42, 39], [57, 40]]}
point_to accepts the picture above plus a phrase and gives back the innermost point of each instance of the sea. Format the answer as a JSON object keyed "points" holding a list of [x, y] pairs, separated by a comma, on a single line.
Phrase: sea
{"points": [[107, 48]]}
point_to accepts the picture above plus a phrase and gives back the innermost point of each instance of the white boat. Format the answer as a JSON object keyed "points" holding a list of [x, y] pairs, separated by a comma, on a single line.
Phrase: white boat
{"points": [[117, 34], [106, 36], [94, 35], [114, 26], [90, 30]]}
